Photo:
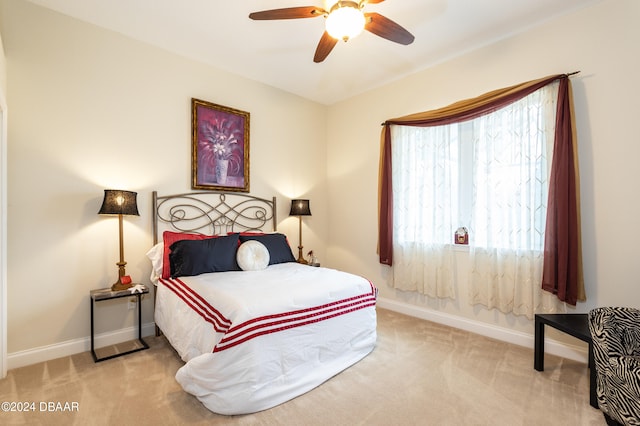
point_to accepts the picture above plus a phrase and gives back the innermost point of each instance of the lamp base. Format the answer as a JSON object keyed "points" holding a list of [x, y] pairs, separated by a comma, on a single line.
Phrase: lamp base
{"points": [[300, 257], [119, 286]]}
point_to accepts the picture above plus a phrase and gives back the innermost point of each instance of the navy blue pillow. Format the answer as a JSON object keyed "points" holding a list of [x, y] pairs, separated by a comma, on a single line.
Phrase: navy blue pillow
{"points": [[279, 250], [195, 257]]}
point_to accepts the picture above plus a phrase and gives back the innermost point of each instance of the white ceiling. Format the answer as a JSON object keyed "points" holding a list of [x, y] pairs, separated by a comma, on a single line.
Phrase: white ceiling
{"points": [[280, 53]]}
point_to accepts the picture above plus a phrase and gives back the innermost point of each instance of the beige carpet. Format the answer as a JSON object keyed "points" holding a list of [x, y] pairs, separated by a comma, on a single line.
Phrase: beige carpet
{"points": [[420, 373]]}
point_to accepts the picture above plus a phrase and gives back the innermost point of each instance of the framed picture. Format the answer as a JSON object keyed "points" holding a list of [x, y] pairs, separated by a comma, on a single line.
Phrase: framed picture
{"points": [[219, 147]]}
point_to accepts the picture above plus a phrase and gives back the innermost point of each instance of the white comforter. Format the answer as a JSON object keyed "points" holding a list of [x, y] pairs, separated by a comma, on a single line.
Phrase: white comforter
{"points": [[253, 340]]}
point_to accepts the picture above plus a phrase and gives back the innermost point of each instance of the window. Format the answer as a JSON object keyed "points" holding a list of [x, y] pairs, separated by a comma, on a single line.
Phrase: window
{"points": [[474, 173], [489, 174]]}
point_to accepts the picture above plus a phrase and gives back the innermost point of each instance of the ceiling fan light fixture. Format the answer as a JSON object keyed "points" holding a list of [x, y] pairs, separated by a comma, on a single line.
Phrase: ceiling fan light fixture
{"points": [[345, 21]]}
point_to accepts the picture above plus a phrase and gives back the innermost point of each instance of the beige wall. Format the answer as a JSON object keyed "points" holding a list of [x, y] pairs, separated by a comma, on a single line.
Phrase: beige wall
{"points": [[601, 42], [91, 110], [3, 68], [3, 211]]}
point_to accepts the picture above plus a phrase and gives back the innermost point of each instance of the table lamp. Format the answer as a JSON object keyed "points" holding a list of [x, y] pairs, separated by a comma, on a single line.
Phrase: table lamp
{"points": [[300, 208], [120, 203]]}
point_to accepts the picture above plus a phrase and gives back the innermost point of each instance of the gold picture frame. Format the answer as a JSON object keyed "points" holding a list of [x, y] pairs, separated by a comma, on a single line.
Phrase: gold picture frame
{"points": [[219, 147]]}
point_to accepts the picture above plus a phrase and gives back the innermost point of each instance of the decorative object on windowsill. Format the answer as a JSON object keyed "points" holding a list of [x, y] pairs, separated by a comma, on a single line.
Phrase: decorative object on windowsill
{"points": [[300, 208], [462, 236], [313, 260], [120, 203]]}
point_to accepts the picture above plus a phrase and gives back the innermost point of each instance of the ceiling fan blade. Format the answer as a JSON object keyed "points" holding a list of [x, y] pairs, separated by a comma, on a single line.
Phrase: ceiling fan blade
{"points": [[288, 13], [386, 28], [326, 45]]}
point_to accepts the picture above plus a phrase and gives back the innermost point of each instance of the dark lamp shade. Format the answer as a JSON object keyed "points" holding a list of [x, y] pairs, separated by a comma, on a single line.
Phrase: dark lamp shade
{"points": [[300, 208], [119, 202]]}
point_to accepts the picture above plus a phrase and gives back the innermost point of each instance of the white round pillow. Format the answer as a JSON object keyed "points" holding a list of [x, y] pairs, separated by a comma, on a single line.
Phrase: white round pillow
{"points": [[252, 256]]}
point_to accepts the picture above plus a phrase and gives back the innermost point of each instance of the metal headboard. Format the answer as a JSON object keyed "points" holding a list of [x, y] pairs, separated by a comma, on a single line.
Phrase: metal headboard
{"points": [[211, 213]]}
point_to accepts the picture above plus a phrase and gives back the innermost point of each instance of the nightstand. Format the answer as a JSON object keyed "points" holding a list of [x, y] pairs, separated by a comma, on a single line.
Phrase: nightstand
{"points": [[108, 294], [576, 325]]}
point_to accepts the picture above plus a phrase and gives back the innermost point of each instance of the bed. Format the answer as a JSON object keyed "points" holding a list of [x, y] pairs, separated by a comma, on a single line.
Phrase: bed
{"points": [[254, 327]]}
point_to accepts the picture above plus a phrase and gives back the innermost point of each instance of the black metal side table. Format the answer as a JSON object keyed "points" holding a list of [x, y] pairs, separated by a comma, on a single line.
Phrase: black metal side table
{"points": [[576, 325], [108, 294]]}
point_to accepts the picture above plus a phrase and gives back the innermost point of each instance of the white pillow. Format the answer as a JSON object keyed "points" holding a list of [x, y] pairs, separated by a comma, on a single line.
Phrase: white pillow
{"points": [[155, 256], [252, 256]]}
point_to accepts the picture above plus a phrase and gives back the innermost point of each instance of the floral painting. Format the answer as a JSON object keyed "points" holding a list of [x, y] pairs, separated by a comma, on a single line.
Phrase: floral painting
{"points": [[220, 147]]}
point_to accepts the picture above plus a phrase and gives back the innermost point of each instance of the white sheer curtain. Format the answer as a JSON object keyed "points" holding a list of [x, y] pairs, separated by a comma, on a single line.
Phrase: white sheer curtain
{"points": [[510, 175], [428, 176], [490, 175]]}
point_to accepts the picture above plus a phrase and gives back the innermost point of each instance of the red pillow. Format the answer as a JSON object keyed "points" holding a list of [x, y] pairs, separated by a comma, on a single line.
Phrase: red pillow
{"points": [[169, 238]]}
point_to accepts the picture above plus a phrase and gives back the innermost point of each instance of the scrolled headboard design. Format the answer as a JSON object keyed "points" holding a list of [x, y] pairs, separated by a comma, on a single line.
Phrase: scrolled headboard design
{"points": [[211, 213]]}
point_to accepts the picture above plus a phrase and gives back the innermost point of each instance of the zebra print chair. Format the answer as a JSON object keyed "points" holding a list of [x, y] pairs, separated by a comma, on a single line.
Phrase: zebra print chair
{"points": [[616, 350]]}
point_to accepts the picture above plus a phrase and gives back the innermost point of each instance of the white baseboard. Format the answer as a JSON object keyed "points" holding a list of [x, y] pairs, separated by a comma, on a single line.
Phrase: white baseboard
{"points": [[499, 333], [72, 347]]}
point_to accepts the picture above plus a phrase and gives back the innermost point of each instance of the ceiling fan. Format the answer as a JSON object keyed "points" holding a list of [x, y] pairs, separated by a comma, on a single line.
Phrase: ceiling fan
{"points": [[344, 20]]}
